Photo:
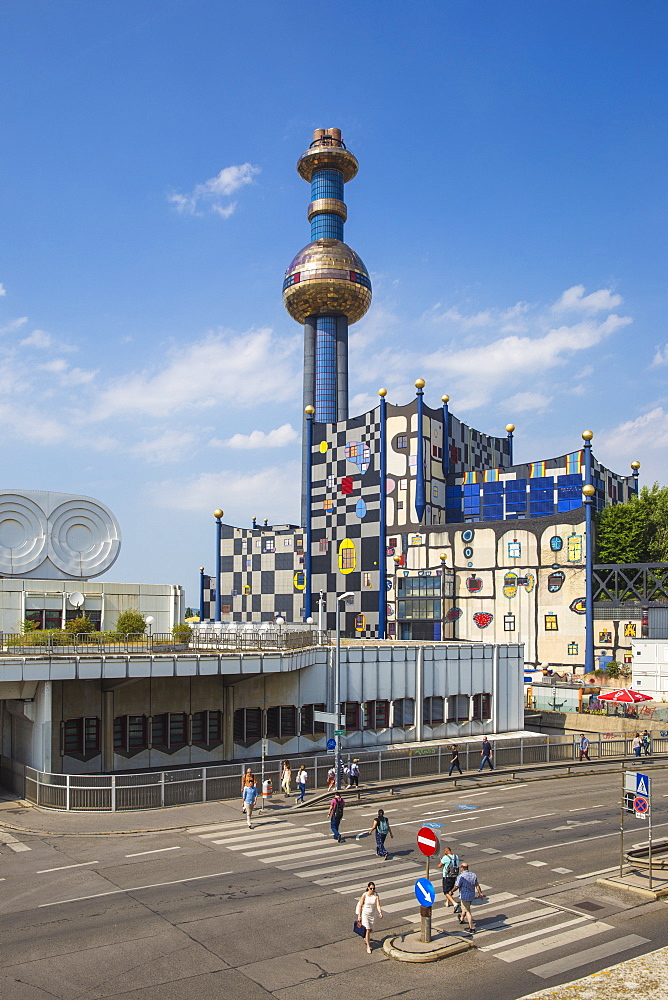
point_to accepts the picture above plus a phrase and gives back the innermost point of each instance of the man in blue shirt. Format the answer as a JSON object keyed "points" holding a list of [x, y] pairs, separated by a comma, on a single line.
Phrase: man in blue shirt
{"points": [[249, 797], [469, 888], [486, 755]]}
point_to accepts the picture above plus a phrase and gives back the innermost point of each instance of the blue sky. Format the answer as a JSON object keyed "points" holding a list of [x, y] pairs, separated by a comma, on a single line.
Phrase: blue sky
{"points": [[510, 208]]}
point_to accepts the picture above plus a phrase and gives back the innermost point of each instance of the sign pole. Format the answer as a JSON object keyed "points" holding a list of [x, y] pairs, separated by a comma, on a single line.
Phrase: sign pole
{"points": [[621, 825], [649, 838]]}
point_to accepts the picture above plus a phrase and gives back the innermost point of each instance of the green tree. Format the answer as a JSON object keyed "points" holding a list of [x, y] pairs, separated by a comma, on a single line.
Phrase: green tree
{"points": [[131, 622], [635, 532], [190, 613], [182, 632], [79, 626]]}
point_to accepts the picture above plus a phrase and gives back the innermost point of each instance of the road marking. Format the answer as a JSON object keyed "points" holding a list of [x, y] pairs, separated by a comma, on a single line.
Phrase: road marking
{"points": [[354, 887], [487, 809], [407, 869], [601, 805], [575, 824], [589, 955], [489, 850], [310, 856], [158, 850], [538, 864], [514, 857], [505, 923], [19, 847], [468, 843], [563, 871], [238, 843], [556, 941], [601, 871], [495, 826], [344, 866], [136, 888], [62, 868], [531, 934]]}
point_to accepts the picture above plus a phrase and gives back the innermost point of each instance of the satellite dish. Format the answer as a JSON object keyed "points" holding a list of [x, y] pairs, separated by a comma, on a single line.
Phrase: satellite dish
{"points": [[76, 599]]}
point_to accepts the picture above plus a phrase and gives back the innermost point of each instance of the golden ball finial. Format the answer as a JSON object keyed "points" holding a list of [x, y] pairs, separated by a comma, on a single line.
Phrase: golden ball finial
{"points": [[382, 392], [218, 513], [510, 428], [309, 410], [443, 556], [201, 569], [397, 559], [589, 490], [635, 465], [445, 399], [587, 435], [419, 383]]}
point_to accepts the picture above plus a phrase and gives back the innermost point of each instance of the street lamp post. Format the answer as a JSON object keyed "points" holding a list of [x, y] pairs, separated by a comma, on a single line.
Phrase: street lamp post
{"points": [[337, 688], [588, 493], [218, 513]]}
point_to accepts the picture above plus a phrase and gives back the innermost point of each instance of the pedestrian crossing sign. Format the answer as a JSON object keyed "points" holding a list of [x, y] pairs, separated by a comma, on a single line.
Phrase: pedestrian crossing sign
{"points": [[642, 784]]}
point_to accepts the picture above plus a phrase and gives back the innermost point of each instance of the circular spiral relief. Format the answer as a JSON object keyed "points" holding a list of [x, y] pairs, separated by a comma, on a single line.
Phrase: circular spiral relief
{"points": [[84, 538], [23, 533]]}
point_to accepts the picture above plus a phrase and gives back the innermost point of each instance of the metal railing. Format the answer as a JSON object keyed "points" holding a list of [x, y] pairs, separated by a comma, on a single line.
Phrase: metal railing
{"points": [[151, 790], [100, 643]]}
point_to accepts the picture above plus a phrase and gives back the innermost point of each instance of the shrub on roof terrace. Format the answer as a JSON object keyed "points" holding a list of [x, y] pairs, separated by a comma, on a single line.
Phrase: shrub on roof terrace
{"points": [[130, 622]]}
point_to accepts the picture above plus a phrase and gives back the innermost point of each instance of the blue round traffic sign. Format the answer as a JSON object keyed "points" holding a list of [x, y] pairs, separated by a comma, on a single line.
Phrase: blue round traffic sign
{"points": [[331, 744], [425, 892]]}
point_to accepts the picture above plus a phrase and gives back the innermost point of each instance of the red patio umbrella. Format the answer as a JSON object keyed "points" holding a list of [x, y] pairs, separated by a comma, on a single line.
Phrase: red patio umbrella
{"points": [[625, 696]]}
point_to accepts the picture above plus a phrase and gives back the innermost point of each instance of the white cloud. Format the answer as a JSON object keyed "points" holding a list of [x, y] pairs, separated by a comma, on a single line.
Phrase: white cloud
{"points": [[170, 446], [209, 194], [14, 325], [3, 290], [220, 368], [29, 424], [277, 438], [453, 315], [480, 371], [272, 492], [524, 402], [575, 300], [68, 376], [38, 338], [645, 438], [660, 357]]}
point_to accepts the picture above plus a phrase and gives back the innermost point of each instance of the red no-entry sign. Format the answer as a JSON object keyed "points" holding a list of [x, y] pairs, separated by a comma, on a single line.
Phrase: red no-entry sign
{"points": [[427, 841]]}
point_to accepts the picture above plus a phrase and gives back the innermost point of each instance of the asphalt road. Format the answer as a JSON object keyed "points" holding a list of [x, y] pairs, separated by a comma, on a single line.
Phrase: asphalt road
{"points": [[226, 912]]}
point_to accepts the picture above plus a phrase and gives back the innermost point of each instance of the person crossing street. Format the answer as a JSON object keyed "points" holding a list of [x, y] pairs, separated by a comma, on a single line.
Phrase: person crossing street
{"points": [[469, 888], [336, 807]]}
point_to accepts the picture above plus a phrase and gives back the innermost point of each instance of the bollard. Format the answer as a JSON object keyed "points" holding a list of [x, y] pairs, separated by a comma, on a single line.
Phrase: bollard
{"points": [[267, 790]]}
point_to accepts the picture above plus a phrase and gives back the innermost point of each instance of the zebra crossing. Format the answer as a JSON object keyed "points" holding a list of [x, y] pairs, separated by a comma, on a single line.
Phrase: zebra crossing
{"points": [[12, 843], [509, 928]]}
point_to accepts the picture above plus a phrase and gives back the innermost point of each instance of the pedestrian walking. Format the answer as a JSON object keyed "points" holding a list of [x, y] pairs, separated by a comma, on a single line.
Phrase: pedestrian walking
{"points": [[646, 743], [637, 745], [454, 759], [247, 779], [368, 906], [331, 779], [250, 797], [469, 888], [354, 775], [584, 747], [302, 778], [381, 827], [335, 814], [286, 779], [450, 865], [486, 755]]}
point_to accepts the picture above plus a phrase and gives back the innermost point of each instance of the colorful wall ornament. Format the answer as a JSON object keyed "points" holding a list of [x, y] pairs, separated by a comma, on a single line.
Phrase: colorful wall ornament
{"points": [[347, 556], [473, 584], [360, 508], [453, 614], [578, 606], [483, 618], [555, 581], [574, 548]]}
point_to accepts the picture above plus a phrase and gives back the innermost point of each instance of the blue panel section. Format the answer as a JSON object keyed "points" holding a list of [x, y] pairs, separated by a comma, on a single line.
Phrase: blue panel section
{"points": [[325, 369], [570, 481], [564, 505], [327, 184], [437, 631], [327, 225], [492, 487]]}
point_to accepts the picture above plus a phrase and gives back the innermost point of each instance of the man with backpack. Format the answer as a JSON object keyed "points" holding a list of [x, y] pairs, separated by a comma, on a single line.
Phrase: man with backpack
{"points": [[381, 827], [336, 807], [583, 747], [450, 865]]}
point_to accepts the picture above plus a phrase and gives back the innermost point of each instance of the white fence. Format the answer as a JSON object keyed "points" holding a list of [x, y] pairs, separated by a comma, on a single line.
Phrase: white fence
{"points": [[153, 789]]}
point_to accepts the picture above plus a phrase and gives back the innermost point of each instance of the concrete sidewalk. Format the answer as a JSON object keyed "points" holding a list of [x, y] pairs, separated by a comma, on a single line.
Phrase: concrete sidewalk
{"points": [[644, 977], [23, 818]]}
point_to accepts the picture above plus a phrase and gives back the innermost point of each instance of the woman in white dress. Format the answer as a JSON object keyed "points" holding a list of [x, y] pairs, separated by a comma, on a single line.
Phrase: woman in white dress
{"points": [[367, 907], [286, 778]]}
